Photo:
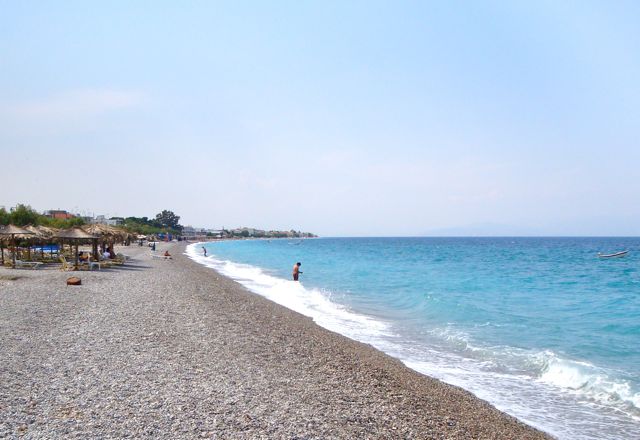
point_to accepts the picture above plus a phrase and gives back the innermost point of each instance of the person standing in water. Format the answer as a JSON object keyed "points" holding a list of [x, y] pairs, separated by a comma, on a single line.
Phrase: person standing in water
{"points": [[296, 271], [204, 249]]}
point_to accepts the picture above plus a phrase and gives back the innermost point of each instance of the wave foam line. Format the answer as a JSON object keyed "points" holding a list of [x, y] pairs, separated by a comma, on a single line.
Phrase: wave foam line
{"points": [[538, 397], [313, 303]]}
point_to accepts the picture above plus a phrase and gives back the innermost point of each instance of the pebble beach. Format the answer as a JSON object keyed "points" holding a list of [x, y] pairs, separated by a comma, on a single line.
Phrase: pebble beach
{"points": [[171, 349]]}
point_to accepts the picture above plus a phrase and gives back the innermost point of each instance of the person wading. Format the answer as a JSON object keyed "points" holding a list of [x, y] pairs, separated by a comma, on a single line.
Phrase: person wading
{"points": [[296, 271]]}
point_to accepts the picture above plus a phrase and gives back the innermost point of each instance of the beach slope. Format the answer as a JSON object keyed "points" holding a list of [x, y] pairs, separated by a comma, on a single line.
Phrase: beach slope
{"points": [[171, 349]]}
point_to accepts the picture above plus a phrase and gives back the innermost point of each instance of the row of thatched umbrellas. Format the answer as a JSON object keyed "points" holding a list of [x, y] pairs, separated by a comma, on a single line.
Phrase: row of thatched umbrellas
{"points": [[74, 236]]}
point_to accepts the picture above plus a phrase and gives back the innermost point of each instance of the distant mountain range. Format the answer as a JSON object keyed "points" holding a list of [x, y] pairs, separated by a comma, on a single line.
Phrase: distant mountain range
{"points": [[484, 230], [602, 226]]}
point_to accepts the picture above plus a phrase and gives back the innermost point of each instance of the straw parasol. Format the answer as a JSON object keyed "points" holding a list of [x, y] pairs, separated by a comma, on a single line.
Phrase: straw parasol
{"points": [[34, 231], [41, 234], [43, 231], [77, 235], [107, 233], [12, 231], [37, 234]]}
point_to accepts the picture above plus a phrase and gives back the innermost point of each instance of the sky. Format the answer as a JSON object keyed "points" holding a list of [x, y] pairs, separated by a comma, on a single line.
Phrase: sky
{"points": [[357, 118]]}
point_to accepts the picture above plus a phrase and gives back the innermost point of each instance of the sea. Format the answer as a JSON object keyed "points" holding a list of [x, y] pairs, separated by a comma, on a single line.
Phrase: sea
{"points": [[541, 328]]}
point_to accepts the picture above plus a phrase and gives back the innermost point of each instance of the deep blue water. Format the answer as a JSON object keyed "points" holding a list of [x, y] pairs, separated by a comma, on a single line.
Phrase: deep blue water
{"points": [[540, 327]]}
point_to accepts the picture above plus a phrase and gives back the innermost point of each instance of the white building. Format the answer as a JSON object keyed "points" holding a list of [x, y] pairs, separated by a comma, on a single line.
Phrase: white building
{"points": [[102, 220], [193, 232]]}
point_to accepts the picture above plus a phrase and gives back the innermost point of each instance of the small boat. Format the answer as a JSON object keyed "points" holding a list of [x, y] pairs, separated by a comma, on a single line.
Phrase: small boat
{"points": [[616, 255]]}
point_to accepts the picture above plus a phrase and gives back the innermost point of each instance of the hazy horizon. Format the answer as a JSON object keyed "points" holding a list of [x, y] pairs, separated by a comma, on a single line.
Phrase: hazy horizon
{"points": [[357, 119]]}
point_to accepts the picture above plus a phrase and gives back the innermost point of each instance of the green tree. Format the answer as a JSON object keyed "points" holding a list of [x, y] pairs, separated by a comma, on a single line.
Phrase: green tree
{"points": [[168, 219], [59, 222], [4, 217], [24, 215], [140, 220]]}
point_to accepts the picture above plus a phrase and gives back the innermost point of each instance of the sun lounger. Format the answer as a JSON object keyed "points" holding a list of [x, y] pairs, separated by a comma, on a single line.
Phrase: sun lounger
{"points": [[82, 265], [65, 265], [107, 262], [160, 257], [27, 264], [120, 259]]}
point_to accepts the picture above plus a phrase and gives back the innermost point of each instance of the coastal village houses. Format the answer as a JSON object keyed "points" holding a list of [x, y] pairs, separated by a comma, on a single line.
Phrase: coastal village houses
{"points": [[100, 219], [59, 214]]}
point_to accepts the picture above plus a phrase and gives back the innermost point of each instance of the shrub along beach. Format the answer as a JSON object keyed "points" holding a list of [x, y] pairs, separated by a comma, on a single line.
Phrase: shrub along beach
{"points": [[170, 349]]}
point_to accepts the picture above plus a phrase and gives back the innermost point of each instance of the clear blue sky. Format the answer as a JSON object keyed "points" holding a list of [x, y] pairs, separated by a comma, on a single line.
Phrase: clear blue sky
{"points": [[342, 118]]}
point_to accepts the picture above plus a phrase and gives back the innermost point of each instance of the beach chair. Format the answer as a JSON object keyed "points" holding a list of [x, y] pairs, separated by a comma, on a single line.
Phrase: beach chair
{"points": [[105, 262], [27, 264], [120, 259], [66, 266], [93, 264]]}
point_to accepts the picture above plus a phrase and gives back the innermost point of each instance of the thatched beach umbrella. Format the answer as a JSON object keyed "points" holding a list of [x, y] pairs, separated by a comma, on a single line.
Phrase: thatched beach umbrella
{"points": [[35, 231], [76, 235], [106, 233], [12, 231], [43, 231], [37, 235], [41, 234]]}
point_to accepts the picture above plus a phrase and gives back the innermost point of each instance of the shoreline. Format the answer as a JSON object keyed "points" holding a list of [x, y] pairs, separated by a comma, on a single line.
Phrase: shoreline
{"points": [[173, 349]]}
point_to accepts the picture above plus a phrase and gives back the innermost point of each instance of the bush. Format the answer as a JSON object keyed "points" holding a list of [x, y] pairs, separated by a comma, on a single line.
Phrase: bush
{"points": [[4, 217], [24, 215]]}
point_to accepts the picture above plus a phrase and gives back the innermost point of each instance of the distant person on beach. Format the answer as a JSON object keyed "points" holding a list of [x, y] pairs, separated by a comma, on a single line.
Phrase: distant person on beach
{"points": [[204, 249], [167, 254], [296, 271]]}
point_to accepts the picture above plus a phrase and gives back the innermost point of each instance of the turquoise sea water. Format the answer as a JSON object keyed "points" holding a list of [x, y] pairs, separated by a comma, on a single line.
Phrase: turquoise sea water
{"points": [[539, 327]]}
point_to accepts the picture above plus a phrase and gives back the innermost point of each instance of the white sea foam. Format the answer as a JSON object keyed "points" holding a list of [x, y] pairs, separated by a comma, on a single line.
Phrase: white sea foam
{"points": [[588, 380], [314, 303], [582, 379], [568, 399]]}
